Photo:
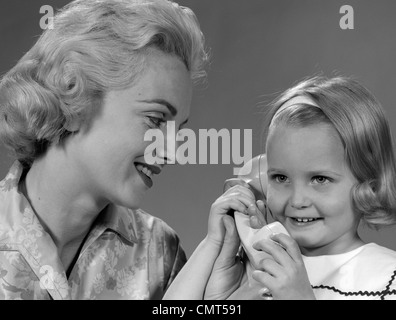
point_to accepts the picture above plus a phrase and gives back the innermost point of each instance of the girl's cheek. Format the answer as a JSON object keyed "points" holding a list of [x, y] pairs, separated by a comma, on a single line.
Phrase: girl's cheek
{"points": [[275, 203]]}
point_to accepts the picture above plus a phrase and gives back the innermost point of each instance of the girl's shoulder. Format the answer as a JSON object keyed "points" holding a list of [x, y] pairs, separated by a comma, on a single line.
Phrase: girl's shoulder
{"points": [[378, 254], [367, 272]]}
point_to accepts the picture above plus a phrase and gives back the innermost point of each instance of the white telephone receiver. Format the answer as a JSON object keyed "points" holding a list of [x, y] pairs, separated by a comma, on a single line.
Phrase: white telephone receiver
{"points": [[249, 236], [255, 174]]}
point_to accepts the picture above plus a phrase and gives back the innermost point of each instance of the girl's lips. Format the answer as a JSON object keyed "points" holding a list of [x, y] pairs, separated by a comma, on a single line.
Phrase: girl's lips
{"points": [[303, 221]]}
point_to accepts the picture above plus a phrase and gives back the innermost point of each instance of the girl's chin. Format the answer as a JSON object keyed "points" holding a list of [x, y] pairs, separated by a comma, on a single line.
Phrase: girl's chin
{"points": [[305, 243]]}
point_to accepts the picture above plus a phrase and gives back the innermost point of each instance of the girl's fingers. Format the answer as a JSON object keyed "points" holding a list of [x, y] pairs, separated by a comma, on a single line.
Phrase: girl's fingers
{"points": [[261, 206], [289, 244], [256, 218], [270, 266], [274, 249], [259, 212], [265, 278]]}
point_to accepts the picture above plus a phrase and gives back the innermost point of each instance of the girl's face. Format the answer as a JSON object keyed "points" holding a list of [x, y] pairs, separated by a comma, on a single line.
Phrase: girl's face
{"points": [[309, 188], [109, 154]]}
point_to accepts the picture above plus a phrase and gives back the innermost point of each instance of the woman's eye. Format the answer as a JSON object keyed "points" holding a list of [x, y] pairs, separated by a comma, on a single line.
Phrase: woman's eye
{"points": [[156, 122]]}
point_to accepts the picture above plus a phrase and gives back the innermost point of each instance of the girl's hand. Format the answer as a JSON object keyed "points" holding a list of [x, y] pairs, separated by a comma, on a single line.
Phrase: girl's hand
{"points": [[284, 275]]}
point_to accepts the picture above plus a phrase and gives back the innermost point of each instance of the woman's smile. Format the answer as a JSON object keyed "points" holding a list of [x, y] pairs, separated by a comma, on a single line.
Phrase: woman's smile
{"points": [[146, 172]]}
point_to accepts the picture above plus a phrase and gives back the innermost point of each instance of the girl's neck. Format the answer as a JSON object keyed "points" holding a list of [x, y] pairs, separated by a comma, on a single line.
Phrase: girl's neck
{"points": [[346, 244]]}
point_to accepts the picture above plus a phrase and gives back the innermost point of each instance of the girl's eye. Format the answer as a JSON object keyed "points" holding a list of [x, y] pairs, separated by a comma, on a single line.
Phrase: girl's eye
{"points": [[156, 122], [280, 178], [320, 179]]}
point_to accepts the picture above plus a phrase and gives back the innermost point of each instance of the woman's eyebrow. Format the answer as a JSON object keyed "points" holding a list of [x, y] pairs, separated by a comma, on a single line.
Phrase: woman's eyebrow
{"points": [[165, 103]]}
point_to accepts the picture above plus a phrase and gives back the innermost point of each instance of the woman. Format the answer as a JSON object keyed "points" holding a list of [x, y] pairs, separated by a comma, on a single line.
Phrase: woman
{"points": [[74, 110]]}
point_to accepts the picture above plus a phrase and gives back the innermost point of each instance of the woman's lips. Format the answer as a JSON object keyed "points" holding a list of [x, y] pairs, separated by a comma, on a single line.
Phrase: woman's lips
{"points": [[146, 172]]}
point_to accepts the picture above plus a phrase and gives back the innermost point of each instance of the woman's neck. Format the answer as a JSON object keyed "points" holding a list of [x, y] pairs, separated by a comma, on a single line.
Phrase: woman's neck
{"points": [[64, 203]]}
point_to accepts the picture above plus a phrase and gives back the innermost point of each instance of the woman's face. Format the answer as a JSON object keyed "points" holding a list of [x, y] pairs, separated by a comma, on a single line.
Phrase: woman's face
{"points": [[109, 153], [309, 188]]}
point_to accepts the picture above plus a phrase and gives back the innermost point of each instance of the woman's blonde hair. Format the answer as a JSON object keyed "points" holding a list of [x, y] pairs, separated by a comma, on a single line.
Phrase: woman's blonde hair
{"points": [[363, 128], [94, 46]]}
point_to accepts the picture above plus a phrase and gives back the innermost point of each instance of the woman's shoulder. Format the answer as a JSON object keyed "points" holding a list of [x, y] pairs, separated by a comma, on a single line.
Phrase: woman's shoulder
{"points": [[152, 224]]}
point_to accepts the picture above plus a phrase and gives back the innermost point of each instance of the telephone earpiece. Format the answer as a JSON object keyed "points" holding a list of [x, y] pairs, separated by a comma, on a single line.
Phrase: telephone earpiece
{"points": [[254, 173]]}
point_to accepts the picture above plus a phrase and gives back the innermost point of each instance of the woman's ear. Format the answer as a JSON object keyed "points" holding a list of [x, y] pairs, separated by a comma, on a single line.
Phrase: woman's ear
{"points": [[72, 125]]}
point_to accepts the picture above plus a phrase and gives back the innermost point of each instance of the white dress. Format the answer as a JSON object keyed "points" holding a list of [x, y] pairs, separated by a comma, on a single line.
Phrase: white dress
{"points": [[367, 272]]}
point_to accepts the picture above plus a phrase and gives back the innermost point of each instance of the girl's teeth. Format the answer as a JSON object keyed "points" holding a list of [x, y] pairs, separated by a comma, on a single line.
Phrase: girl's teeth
{"points": [[305, 219]]}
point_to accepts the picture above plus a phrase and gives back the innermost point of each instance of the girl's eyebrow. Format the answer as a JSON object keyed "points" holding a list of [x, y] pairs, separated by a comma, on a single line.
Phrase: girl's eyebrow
{"points": [[310, 173], [323, 173], [165, 103], [272, 170]]}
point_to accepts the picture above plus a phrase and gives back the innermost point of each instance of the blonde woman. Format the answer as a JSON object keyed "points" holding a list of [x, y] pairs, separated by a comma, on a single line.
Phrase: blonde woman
{"points": [[74, 111]]}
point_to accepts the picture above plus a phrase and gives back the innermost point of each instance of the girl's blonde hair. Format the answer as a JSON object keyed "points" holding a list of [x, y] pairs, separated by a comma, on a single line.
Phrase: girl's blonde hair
{"points": [[94, 46], [363, 128]]}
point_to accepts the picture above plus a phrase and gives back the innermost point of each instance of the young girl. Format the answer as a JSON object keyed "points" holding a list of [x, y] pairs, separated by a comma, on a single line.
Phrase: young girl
{"points": [[330, 166]]}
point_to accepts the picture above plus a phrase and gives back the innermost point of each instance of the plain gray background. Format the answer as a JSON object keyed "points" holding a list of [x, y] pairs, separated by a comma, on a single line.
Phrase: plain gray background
{"points": [[258, 48]]}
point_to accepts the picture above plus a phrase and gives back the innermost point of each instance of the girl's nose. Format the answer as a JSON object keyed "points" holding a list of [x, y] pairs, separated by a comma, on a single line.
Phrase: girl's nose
{"points": [[300, 198]]}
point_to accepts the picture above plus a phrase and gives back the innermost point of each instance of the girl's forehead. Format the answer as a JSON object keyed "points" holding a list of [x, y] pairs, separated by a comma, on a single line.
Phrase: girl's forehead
{"points": [[315, 147]]}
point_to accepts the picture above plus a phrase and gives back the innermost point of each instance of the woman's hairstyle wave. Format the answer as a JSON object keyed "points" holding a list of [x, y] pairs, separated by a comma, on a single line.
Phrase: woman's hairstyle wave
{"points": [[94, 46]]}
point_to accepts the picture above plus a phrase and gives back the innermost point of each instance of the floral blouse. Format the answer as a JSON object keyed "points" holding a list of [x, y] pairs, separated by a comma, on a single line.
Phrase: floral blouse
{"points": [[128, 254]]}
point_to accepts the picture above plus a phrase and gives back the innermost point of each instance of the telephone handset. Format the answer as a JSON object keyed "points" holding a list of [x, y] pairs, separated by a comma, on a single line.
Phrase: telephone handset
{"points": [[249, 236], [255, 174]]}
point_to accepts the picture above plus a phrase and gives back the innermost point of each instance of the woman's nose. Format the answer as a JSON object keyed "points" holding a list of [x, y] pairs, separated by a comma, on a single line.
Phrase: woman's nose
{"points": [[167, 151]]}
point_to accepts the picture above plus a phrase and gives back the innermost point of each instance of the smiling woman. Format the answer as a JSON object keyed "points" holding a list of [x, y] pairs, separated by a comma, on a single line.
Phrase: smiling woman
{"points": [[74, 111], [109, 151]]}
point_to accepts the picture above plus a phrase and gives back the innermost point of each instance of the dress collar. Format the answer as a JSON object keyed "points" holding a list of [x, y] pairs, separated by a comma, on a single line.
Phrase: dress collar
{"points": [[20, 229]]}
